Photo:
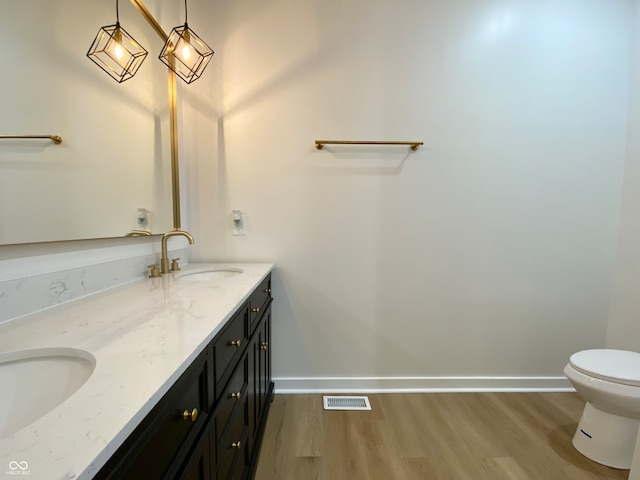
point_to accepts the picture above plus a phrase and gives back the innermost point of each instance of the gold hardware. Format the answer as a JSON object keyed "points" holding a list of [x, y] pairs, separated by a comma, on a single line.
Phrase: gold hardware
{"points": [[137, 233], [236, 445], [321, 143], [255, 310], [149, 18], [164, 261], [234, 343], [154, 273], [54, 138], [190, 415], [268, 291], [264, 345], [173, 117], [235, 395], [175, 266], [175, 158]]}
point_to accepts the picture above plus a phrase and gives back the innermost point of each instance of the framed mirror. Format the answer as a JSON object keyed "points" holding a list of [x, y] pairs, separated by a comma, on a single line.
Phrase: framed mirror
{"points": [[114, 159]]}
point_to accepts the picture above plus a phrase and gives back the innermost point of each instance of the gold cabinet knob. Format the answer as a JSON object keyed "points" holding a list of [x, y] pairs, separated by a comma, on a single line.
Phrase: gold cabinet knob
{"points": [[237, 445], [190, 415], [255, 310], [234, 343], [264, 345], [235, 395], [268, 290]]}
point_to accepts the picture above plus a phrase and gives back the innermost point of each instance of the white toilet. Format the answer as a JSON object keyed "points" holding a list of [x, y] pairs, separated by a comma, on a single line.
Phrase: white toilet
{"points": [[609, 380]]}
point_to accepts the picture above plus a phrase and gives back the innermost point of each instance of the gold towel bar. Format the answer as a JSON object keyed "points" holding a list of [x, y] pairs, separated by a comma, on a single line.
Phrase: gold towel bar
{"points": [[54, 138], [321, 143]]}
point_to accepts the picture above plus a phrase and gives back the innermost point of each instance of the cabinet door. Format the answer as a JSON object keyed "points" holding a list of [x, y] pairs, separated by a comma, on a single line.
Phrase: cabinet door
{"points": [[253, 354], [164, 436], [258, 301], [198, 466], [264, 363], [259, 375]]}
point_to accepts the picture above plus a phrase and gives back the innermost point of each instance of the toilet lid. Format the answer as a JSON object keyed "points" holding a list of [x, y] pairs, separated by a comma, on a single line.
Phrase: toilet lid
{"points": [[617, 366]]}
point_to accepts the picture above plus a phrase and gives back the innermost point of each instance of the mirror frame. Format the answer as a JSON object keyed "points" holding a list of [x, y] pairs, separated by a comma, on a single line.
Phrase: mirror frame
{"points": [[173, 118]]}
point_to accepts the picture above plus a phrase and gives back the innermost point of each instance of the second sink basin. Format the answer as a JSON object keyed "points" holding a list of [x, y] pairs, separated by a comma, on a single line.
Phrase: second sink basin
{"points": [[34, 382], [210, 274]]}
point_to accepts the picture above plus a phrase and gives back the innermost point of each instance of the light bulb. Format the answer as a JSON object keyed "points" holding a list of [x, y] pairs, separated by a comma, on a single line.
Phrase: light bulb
{"points": [[119, 51], [186, 52]]}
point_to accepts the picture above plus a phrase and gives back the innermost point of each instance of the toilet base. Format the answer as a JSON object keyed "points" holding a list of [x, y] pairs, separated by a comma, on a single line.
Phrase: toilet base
{"points": [[606, 438]]}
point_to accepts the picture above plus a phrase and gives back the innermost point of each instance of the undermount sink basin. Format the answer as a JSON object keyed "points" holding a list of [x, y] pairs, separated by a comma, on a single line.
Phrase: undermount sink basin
{"points": [[34, 382], [210, 274]]}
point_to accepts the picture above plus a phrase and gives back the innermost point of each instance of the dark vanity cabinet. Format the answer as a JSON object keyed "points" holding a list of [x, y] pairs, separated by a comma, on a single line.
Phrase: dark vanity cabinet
{"points": [[210, 424]]}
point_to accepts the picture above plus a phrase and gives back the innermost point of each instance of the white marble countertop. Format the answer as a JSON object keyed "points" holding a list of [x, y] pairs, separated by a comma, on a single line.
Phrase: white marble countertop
{"points": [[143, 336]]}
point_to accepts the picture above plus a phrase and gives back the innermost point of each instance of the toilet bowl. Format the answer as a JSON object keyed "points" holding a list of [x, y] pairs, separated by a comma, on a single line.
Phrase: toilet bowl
{"points": [[609, 381]]}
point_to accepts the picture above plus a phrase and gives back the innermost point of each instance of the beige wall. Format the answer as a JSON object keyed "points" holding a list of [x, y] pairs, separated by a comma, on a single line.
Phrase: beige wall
{"points": [[489, 252], [624, 315]]}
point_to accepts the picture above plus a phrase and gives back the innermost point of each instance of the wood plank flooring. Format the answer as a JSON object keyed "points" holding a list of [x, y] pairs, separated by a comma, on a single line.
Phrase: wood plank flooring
{"points": [[436, 436]]}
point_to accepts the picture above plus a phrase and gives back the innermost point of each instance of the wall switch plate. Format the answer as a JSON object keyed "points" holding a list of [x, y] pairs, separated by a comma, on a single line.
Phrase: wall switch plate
{"points": [[238, 222]]}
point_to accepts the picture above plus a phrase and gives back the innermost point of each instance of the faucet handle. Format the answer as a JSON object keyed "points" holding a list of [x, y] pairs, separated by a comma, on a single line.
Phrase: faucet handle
{"points": [[175, 266], [155, 271]]}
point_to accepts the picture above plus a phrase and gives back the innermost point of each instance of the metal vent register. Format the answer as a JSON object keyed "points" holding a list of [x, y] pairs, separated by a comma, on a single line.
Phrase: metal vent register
{"points": [[346, 403]]}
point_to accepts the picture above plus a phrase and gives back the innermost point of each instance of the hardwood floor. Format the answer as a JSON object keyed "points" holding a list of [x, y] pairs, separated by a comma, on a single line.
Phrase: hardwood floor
{"points": [[436, 436]]}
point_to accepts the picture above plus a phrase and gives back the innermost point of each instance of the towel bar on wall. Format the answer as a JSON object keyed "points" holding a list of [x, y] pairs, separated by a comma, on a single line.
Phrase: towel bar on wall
{"points": [[54, 138], [321, 143]]}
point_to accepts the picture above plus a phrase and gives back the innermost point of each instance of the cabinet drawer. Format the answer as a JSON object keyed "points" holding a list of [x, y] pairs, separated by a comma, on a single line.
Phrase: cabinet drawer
{"points": [[228, 347], [232, 396], [258, 300], [231, 445], [239, 469]]}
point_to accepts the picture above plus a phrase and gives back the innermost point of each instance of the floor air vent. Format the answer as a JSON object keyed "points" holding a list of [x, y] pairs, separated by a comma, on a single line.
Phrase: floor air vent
{"points": [[346, 403]]}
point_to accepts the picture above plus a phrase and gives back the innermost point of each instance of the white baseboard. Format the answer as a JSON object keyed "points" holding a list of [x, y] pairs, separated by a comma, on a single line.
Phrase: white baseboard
{"points": [[420, 384]]}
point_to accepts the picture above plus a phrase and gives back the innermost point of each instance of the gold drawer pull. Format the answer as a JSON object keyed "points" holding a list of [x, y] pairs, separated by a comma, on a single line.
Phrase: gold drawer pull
{"points": [[237, 445], [255, 310], [264, 345], [268, 290], [234, 343], [190, 415], [235, 395]]}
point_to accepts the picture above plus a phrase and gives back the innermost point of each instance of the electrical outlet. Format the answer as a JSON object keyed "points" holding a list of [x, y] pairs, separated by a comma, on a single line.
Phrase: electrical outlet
{"points": [[238, 222]]}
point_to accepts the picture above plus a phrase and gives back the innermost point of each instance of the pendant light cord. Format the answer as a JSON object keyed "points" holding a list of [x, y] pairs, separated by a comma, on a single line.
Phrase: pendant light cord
{"points": [[117, 13], [185, 12]]}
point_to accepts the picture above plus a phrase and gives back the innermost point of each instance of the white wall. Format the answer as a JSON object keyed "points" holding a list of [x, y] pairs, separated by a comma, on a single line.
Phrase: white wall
{"points": [[489, 252], [624, 315]]}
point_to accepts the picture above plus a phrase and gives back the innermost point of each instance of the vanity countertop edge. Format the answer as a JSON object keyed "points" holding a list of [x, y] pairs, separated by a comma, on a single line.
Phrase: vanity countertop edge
{"points": [[143, 335]]}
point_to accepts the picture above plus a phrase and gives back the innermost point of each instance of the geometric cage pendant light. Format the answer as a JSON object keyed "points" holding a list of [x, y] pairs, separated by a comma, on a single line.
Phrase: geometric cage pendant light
{"points": [[186, 53], [116, 52]]}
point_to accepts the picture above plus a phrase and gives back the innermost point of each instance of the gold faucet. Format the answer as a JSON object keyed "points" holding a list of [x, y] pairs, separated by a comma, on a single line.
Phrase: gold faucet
{"points": [[164, 261]]}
